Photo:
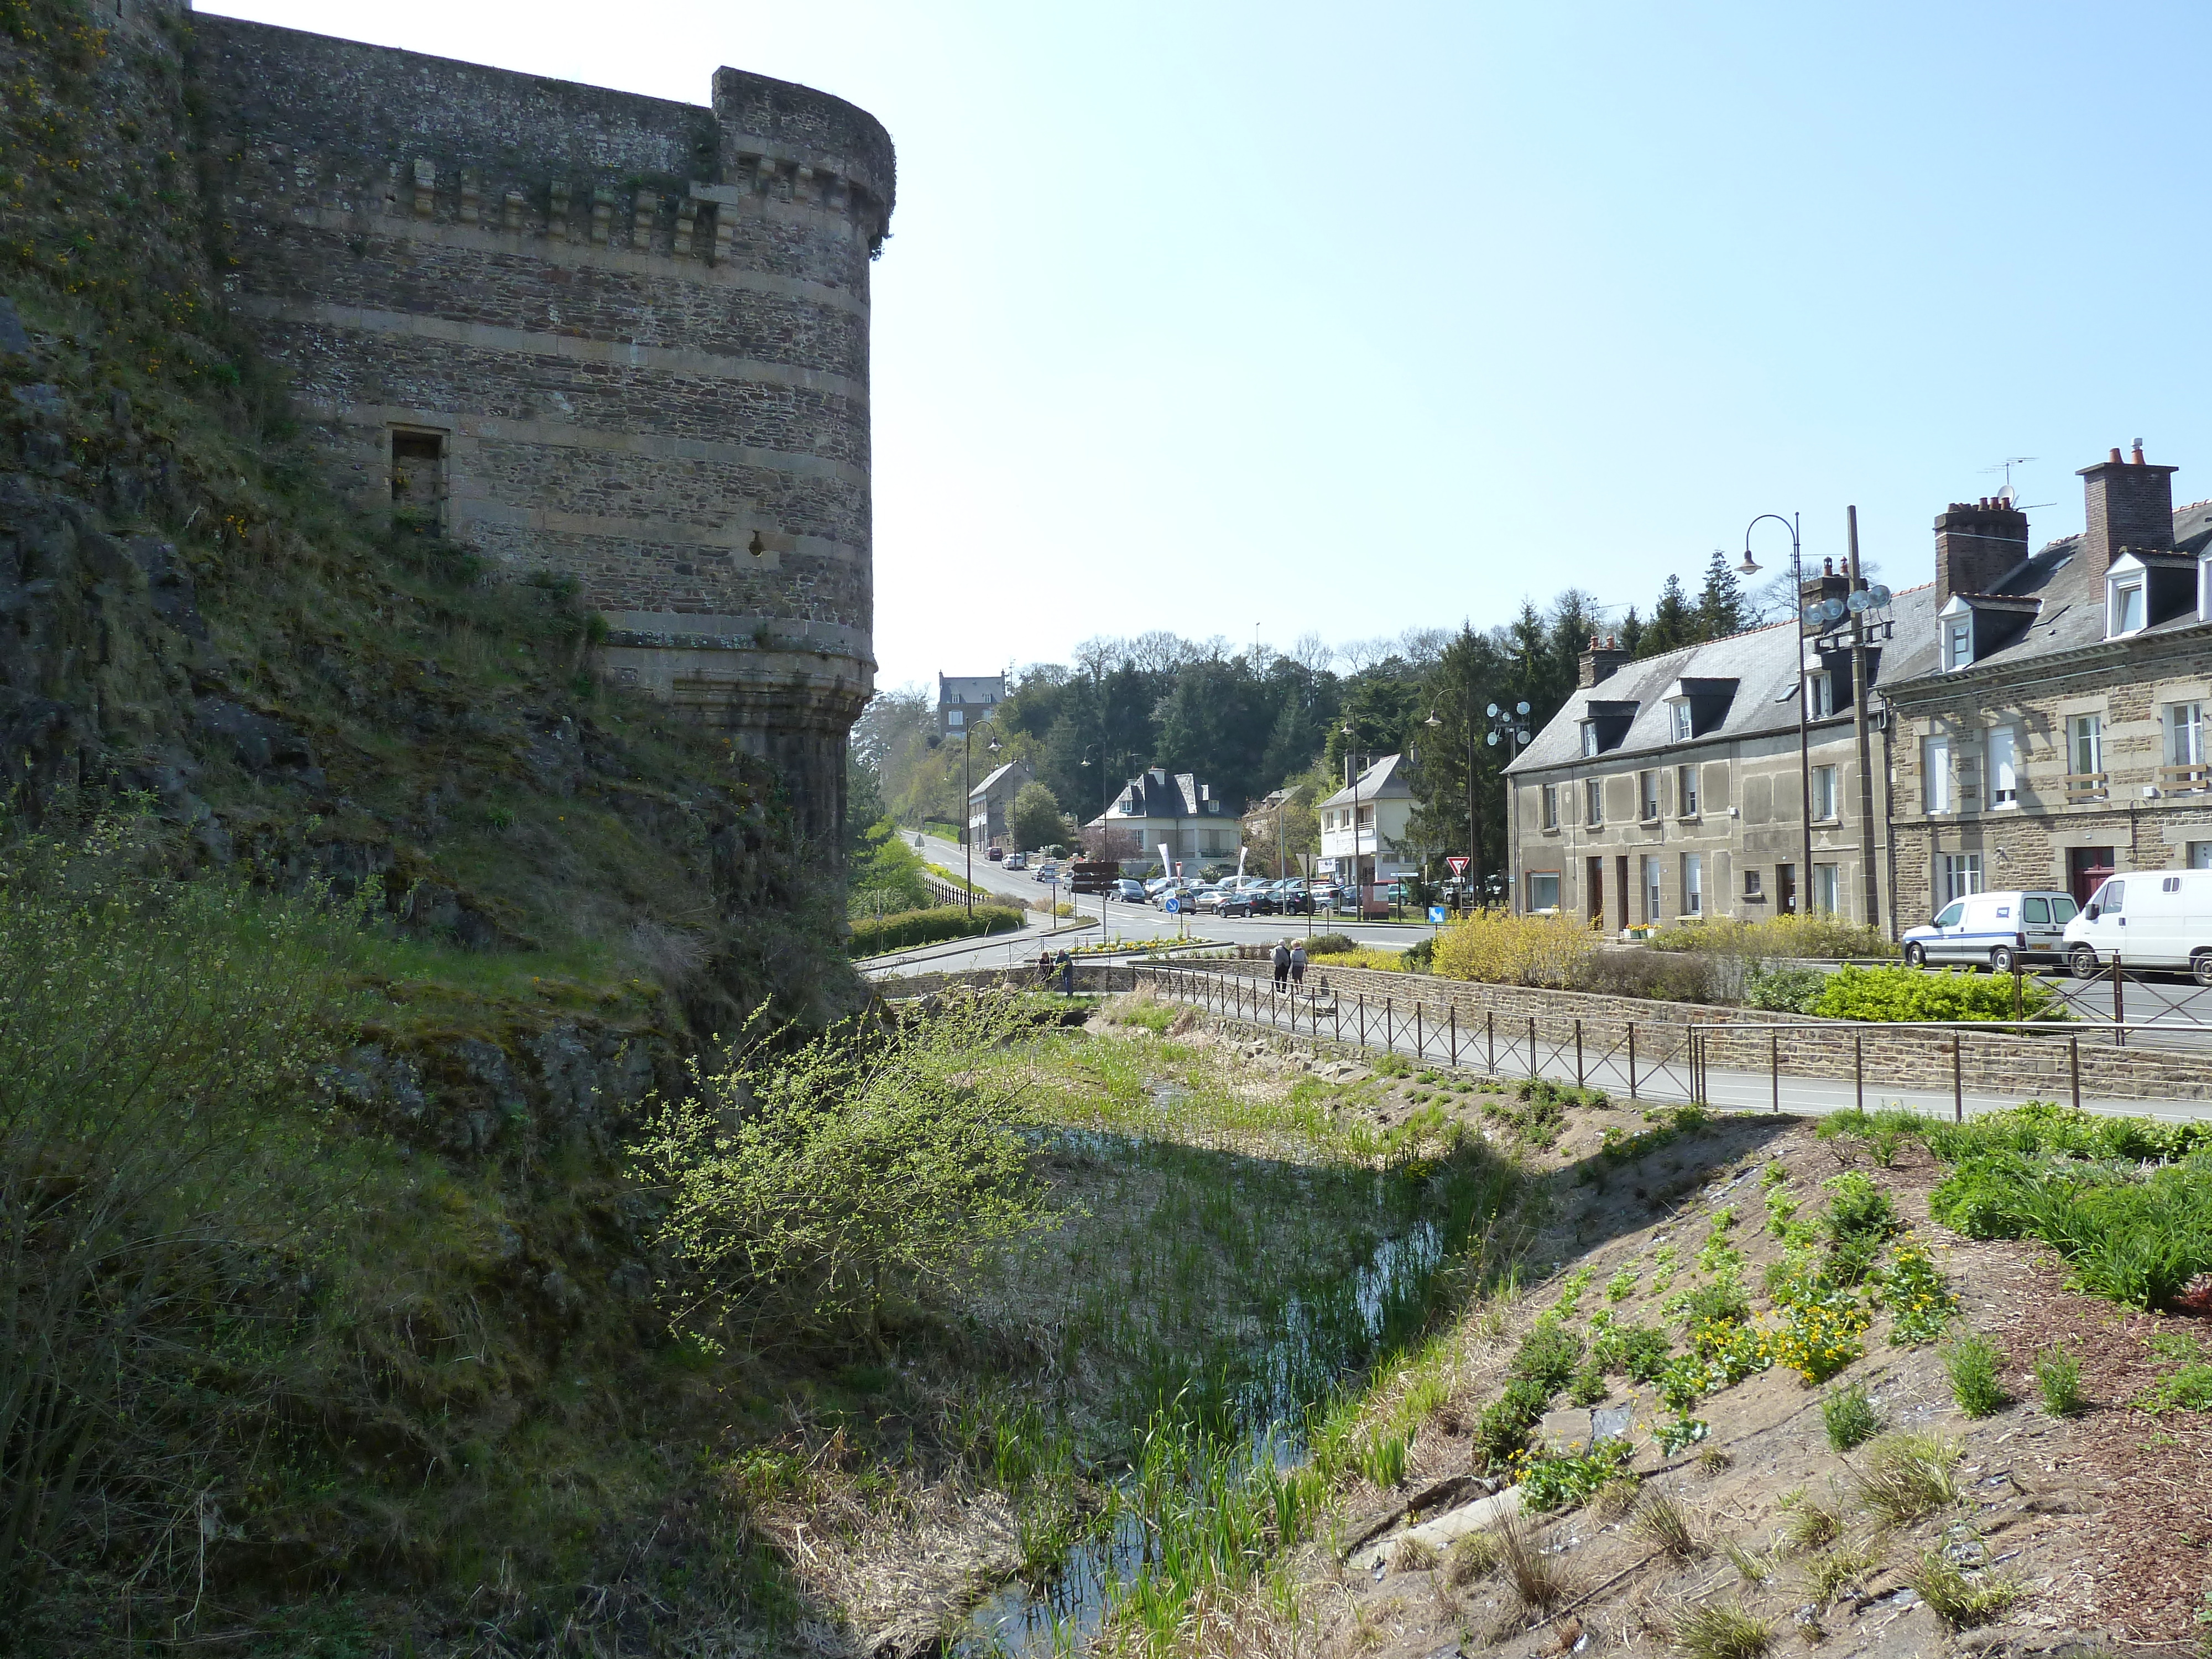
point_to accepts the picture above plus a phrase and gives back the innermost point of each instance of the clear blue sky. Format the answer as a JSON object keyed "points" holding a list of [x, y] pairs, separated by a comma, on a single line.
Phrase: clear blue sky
{"points": [[1348, 319]]}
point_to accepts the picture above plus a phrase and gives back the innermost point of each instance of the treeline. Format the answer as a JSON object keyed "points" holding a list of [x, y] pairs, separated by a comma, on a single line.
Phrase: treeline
{"points": [[1252, 720]]}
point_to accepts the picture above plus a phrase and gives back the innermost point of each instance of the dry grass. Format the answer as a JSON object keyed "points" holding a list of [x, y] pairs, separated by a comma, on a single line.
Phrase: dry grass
{"points": [[1907, 1476], [1717, 1632], [1663, 1523], [1471, 1558], [1827, 1575], [1413, 1555], [1809, 1525], [1752, 1567], [1539, 1582], [1959, 1601]]}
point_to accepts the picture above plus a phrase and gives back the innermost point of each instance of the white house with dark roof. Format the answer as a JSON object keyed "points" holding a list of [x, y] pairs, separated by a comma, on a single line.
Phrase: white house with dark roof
{"points": [[1158, 808], [1670, 789], [1372, 848]]}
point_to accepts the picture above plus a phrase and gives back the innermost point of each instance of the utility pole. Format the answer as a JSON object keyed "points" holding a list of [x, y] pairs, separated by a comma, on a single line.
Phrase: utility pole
{"points": [[1869, 877]]}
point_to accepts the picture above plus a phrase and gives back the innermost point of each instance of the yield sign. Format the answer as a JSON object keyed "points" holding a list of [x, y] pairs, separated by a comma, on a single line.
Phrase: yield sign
{"points": [[1458, 865]]}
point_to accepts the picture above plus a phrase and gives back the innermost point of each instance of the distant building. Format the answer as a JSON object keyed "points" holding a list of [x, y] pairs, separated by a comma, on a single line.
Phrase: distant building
{"points": [[991, 804], [1370, 850], [1156, 809], [964, 700]]}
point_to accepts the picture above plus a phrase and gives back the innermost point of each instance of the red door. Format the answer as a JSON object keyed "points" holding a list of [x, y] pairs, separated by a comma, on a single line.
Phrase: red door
{"points": [[2086, 869]]}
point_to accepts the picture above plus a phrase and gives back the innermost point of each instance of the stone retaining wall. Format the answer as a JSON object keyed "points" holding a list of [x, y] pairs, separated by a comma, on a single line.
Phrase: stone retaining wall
{"points": [[2031, 1066]]}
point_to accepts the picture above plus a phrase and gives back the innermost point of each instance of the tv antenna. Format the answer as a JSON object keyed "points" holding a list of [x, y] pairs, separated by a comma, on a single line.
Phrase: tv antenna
{"points": [[2006, 466]]}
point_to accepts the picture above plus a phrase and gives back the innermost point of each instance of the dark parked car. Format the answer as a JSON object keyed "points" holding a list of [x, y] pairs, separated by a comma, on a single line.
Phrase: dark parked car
{"points": [[1234, 904], [1128, 891]]}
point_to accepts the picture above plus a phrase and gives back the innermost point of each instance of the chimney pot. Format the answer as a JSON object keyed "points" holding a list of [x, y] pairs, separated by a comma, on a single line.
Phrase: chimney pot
{"points": [[2138, 452], [2116, 455]]}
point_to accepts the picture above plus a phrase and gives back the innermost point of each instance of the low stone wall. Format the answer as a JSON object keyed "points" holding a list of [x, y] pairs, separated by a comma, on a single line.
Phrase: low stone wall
{"points": [[1099, 977], [2031, 1065]]}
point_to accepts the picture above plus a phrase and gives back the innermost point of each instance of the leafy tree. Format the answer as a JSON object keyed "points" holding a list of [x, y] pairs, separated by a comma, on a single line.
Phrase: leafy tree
{"points": [[806, 1184], [884, 874], [1036, 820]]}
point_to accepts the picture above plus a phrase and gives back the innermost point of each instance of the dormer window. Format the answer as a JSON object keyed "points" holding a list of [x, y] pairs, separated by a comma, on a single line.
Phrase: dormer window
{"points": [[2127, 608], [1959, 642], [1590, 739], [1680, 723]]}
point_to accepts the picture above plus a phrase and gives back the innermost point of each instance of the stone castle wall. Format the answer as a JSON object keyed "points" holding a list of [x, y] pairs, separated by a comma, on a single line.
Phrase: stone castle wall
{"points": [[612, 337]]}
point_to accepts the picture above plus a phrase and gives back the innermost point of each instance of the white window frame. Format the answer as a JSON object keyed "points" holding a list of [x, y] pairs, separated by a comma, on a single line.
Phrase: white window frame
{"points": [[1529, 886], [1826, 798], [1655, 893], [2184, 733], [1687, 801], [1819, 696], [1647, 796], [2003, 745], [1593, 803], [2127, 597], [2084, 731], [1958, 643], [1828, 889], [1693, 884], [1680, 720], [1589, 739], [1551, 805], [1934, 776], [1962, 877]]}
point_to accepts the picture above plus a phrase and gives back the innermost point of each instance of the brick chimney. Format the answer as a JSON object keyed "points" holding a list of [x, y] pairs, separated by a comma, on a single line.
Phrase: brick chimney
{"points": [[2130, 505], [1976, 542], [1600, 662]]}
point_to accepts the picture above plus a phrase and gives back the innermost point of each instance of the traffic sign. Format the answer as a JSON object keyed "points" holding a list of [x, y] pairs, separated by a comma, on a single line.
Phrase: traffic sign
{"points": [[1173, 906], [1436, 915], [1458, 865]]}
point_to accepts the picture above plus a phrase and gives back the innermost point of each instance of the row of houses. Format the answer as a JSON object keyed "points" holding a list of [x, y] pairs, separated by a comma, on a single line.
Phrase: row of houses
{"points": [[2033, 719]]}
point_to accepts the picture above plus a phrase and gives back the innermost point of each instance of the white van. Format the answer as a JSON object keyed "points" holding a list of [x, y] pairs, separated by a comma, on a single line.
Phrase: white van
{"points": [[1995, 930], [2147, 919]]}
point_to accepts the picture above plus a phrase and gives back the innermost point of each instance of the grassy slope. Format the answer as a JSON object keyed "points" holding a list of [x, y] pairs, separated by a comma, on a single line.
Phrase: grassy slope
{"points": [[475, 1416]]}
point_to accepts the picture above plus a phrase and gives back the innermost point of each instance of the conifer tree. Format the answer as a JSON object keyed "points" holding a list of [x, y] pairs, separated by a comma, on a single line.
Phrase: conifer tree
{"points": [[1721, 608], [1673, 622]]}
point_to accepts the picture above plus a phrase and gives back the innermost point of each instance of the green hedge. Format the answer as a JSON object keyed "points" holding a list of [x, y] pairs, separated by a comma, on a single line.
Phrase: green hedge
{"points": [[1908, 993], [910, 928]]}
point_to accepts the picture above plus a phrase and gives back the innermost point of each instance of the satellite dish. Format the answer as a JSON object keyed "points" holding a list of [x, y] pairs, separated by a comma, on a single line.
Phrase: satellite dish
{"points": [[1493, 711]]}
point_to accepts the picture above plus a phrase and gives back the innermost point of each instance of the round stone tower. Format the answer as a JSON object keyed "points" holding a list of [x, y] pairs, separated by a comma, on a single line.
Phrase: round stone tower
{"points": [[616, 338]]}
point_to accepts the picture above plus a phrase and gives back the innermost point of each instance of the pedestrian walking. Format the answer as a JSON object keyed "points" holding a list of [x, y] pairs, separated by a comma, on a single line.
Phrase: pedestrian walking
{"points": [[1281, 959], [1299, 962], [1066, 973]]}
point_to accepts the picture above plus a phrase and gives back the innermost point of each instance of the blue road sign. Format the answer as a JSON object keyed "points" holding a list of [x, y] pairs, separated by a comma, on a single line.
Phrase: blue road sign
{"points": [[1437, 914], [1173, 906]]}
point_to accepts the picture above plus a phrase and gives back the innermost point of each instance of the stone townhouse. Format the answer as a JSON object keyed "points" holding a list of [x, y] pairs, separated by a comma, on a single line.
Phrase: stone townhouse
{"points": [[1159, 815], [2050, 715], [1668, 788], [991, 804]]}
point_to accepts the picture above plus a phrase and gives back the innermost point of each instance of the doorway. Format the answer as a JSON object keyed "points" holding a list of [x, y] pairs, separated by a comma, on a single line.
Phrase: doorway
{"points": [[1621, 886], [1785, 890], [1596, 894], [2086, 869]]}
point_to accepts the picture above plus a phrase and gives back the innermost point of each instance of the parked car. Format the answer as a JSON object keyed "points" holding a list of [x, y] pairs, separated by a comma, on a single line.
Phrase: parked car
{"points": [[1047, 871], [1182, 887], [1018, 860], [994, 852], [1237, 901], [1208, 895], [1994, 930], [1288, 898], [1128, 890], [2148, 919]]}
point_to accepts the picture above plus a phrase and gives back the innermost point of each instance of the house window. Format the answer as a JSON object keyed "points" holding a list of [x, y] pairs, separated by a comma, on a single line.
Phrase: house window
{"points": [[1590, 739], [2085, 735], [1823, 794], [1685, 791], [1693, 884], [1752, 889], [2185, 746], [1551, 806], [1962, 875], [1820, 697], [1959, 642], [1543, 890], [956, 719], [1684, 727], [1826, 889], [2200, 854], [1653, 912], [1935, 774], [1647, 796], [2004, 768], [1594, 802], [2126, 608]]}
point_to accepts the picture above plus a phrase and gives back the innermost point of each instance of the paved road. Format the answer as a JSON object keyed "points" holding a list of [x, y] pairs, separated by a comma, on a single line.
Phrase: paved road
{"points": [[1660, 1079]]}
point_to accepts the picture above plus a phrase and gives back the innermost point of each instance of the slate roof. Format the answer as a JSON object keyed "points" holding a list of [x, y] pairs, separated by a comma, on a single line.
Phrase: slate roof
{"points": [[1761, 664], [1384, 780], [1157, 794], [2070, 614], [970, 689], [982, 790]]}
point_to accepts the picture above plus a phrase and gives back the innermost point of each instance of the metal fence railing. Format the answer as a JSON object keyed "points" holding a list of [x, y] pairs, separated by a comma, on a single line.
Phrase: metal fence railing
{"points": [[1817, 1065]]}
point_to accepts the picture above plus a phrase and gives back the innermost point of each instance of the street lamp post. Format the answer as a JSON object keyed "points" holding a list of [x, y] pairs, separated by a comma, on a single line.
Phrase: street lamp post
{"points": [[1750, 567], [1105, 828], [968, 806], [1352, 762]]}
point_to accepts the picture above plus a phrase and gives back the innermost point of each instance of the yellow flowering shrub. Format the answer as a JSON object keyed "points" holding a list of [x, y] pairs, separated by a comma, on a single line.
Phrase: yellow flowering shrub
{"points": [[1499, 949], [1820, 1338]]}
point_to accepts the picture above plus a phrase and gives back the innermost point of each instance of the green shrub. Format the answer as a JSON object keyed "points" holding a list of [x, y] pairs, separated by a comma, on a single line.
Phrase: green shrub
{"points": [[1559, 1480], [1638, 1353], [1909, 994], [1549, 1355], [1420, 956], [1850, 1418], [1587, 1388], [1973, 1363], [2058, 1380], [1857, 1208], [1783, 990], [1820, 937], [908, 928], [1722, 1302]]}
